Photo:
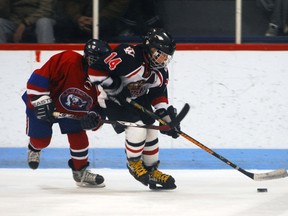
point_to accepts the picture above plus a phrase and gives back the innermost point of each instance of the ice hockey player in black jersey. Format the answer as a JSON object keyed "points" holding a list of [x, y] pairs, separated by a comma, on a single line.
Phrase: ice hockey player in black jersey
{"points": [[139, 72]]}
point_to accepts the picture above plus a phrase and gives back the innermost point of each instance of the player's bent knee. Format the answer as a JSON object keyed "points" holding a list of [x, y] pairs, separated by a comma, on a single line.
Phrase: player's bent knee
{"points": [[39, 143], [136, 135]]}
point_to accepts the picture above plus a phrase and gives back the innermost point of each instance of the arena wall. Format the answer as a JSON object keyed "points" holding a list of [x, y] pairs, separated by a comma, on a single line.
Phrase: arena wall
{"points": [[238, 98]]}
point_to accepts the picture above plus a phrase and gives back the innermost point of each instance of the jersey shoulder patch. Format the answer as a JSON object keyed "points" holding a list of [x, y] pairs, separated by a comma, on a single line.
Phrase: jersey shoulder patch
{"points": [[125, 51]]}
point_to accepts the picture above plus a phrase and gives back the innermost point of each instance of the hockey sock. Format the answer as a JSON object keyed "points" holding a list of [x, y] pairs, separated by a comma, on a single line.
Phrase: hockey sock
{"points": [[79, 149]]}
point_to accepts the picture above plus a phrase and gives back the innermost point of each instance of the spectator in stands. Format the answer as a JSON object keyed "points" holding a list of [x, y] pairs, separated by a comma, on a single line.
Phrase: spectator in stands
{"points": [[110, 12], [27, 21], [74, 21], [278, 11], [141, 16], [76, 17]]}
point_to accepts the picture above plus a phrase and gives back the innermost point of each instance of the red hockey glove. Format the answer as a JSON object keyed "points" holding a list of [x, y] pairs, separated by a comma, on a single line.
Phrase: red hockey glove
{"points": [[168, 115]]}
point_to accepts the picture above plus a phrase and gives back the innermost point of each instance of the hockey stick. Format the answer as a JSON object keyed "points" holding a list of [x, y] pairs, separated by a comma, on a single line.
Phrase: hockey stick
{"points": [[276, 174], [121, 123]]}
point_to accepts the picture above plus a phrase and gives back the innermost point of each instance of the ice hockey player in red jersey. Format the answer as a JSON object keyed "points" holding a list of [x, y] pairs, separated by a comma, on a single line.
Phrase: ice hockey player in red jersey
{"points": [[62, 84], [139, 72]]}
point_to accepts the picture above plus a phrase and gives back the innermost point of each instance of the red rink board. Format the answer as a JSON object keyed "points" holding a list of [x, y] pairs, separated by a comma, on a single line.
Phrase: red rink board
{"points": [[227, 47]]}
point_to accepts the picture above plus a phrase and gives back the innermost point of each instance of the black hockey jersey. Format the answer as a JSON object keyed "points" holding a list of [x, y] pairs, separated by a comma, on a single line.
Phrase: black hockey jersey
{"points": [[130, 63]]}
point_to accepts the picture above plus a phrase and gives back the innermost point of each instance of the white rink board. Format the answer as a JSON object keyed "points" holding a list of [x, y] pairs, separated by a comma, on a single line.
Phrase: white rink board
{"points": [[238, 99]]}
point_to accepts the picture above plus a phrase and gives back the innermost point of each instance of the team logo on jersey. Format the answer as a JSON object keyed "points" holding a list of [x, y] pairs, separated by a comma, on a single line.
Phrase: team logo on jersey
{"points": [[74, 99], [129, 51], [137, 89]]}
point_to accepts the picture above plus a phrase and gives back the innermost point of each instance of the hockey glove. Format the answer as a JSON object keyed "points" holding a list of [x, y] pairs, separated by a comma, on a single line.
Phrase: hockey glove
{"points": [[121, 97], [168, 115], [112, 86], [43, 108], [90, 121], [115, 91]]}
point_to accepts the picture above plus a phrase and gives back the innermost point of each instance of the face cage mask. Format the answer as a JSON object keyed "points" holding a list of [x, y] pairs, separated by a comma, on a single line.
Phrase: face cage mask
{"points": [[155, 56], [91, 59]]}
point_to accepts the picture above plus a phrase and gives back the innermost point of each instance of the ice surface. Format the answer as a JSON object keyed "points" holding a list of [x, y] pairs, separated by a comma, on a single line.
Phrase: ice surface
{"points": [[199, 193]]}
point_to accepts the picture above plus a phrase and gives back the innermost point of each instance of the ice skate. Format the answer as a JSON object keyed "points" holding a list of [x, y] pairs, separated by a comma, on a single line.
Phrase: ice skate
{"points": [[138, 171], [85, 178], [33, 159], [159, 180]]}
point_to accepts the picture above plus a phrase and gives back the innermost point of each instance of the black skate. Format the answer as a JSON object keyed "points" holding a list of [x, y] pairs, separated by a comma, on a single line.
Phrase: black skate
{"points": [[159, 180], [138, 171]]}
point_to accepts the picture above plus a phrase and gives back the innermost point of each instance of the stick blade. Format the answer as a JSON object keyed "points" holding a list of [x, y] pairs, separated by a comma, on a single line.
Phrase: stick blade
{"points": [[276, 174], [180, 116]]}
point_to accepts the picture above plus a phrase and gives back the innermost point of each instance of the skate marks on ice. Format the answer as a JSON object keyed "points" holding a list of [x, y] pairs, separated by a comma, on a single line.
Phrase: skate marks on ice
{"points": [[199, 192]]}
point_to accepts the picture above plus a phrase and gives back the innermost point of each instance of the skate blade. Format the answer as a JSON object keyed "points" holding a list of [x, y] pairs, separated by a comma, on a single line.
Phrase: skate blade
{"points": [[85, 185], [161, 187]]}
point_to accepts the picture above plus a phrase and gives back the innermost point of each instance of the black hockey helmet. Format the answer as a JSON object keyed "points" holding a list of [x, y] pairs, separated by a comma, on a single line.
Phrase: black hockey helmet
{"points": [[94, 49], [159, 42]]}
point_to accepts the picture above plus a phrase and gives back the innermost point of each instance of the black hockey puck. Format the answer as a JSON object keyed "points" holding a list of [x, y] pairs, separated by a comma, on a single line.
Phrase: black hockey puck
{"points": [[262, 190]]}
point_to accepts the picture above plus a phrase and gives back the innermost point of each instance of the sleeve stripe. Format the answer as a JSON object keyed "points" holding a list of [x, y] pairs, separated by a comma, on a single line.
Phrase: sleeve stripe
{"points": [[38, 80], [134, 72], [35, 92], [160, 102]]}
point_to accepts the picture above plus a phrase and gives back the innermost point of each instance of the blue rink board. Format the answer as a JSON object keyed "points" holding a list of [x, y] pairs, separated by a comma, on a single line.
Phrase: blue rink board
{"points": [[114, 158]]}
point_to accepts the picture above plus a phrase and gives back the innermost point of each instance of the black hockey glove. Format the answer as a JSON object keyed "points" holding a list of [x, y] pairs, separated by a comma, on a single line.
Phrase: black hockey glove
{"points": [[115, 90], [121, 97], [168, 115], [112, 86], [90, 121], [43, 108]]}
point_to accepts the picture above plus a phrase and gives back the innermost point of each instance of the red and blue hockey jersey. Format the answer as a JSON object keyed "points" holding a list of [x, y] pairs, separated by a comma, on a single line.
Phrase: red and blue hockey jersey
{"points": [[64, 78]]}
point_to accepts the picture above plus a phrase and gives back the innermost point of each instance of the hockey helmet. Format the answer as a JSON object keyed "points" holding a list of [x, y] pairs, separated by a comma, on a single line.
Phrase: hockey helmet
{"points": [[160, 47], [94, 49]]}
